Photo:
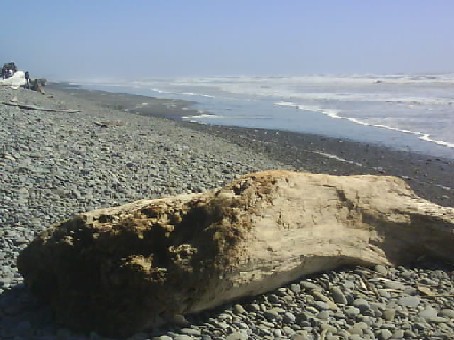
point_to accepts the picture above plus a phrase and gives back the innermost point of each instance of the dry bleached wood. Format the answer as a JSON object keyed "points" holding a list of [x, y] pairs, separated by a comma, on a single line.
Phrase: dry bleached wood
{"points": [[122, 269]]}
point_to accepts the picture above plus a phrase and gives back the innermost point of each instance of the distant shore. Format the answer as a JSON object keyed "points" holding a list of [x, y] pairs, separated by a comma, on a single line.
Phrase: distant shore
{"points": [[431, 177]]}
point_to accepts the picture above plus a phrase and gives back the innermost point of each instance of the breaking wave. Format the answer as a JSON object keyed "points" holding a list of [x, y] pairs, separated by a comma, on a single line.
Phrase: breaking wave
{"points": [[336, 115]]}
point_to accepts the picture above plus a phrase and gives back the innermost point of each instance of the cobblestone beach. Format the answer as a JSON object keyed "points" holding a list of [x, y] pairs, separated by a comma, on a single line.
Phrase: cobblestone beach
{"points": [[71, 151]]}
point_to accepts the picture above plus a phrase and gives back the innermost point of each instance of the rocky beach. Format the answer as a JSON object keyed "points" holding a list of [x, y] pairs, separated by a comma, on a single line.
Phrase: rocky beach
{"points": [[72, 150]]}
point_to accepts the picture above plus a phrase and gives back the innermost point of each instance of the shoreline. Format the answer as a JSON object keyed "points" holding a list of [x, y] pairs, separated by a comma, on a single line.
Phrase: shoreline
{"points": [[431, 177], [268, 114]]}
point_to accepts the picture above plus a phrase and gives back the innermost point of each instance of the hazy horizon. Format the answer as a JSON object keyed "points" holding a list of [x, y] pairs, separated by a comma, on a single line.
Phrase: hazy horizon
{"points": [[95, 39]]}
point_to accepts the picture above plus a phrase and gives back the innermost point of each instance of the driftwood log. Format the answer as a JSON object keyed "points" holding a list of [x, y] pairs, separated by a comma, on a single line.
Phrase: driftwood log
{"points": [[123, 269]]}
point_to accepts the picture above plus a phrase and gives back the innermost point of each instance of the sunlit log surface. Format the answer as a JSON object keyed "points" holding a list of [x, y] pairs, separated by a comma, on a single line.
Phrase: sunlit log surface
{"points": [[122, 269]]}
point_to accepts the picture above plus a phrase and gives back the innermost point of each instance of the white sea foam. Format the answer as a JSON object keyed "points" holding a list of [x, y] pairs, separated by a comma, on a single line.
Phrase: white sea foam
{"points": [[328, 112], [340, 159], [284, 103], [444, 187], [428, 138], [352, 86], [160, 91], [197, 94], [337, 115], [203, 116]]}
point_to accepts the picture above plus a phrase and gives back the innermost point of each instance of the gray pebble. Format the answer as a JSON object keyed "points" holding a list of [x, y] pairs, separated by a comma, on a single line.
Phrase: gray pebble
{"points": [[395, 285], [277, 333], [239, 309], [384, 293], [349, 284], [384, 334], [273, 299], [410, 334], [398, 334], [309, 285], [409, 301], [429, 313], [338, 296], [351, 311], [389, 314], [361, 304], [183, 337], [320, 305], [356, 337], [271, 315], [289, 317], [288, 331], [253, 307], [295, 287], [447, 313], [236, 336], [191, 331], [301, 336], [355, 330], [323, 315], [381, 269]]}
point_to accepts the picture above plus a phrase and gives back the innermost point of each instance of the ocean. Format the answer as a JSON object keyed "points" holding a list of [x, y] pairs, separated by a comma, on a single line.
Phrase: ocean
{"points": [[405, 112]]}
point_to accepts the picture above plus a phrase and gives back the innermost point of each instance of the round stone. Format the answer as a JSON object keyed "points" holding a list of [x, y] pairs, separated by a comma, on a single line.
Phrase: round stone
{"points": [[236, 336], [381, 269], [183, 337], [191, 331], [323, 315], [389, 314], [271, 315], [394, 285], [355, 330], [320, 305], [362, 304], [428, 313], [447, 313], [409, 301], [239, 309], [338, 296], [329, 328], [288, 331], [384, 334], [309, 285], [273, 298], [352, 312], [398, 334], [301, 335], [355, 337], [289, 317], [253, 307], [295, 287], [384, 293]]}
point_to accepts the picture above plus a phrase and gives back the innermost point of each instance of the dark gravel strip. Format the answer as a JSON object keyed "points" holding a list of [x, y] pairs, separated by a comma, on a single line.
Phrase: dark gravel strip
{"points": [[430, 177]]}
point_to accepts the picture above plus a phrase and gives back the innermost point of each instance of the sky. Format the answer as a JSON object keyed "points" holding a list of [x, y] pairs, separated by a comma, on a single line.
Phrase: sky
{"points": [[85, 39]]}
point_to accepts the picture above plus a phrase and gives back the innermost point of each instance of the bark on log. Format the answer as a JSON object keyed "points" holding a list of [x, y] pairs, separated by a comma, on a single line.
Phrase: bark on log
{"points": [[123, 269]]}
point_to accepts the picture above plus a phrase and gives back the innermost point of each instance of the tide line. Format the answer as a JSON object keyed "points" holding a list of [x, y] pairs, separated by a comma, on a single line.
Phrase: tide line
{"points": [[340, 159]]}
